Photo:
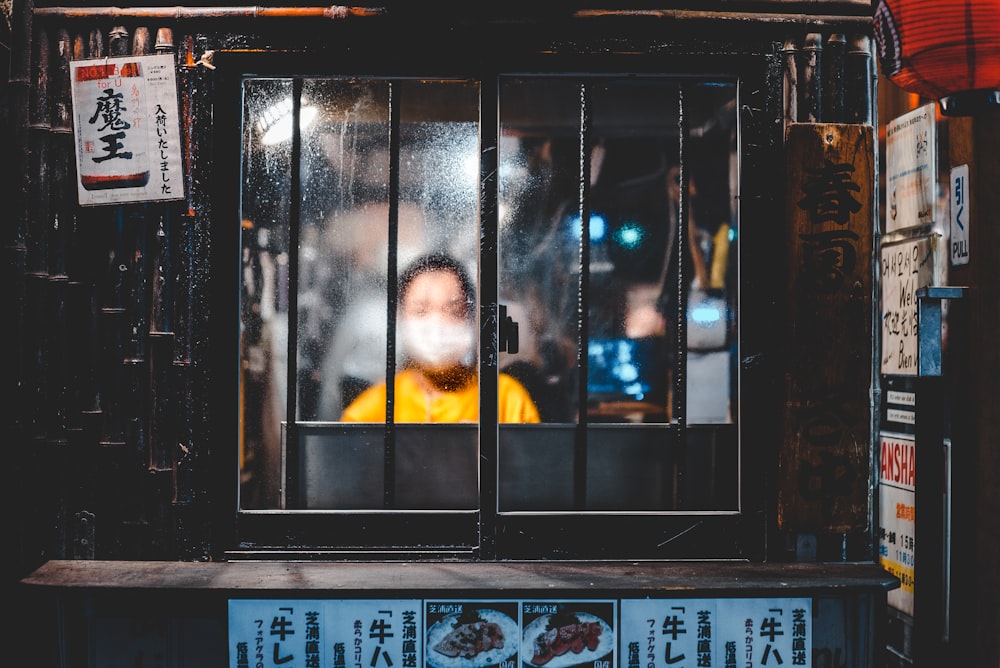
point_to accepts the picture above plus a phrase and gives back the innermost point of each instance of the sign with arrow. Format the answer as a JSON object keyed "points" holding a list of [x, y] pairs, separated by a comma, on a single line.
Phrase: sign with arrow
{"points": [[959, 241]]}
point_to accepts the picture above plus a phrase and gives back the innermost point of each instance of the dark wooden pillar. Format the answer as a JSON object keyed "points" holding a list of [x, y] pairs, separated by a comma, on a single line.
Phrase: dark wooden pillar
{"points": [[972, 367], [824, 458]]}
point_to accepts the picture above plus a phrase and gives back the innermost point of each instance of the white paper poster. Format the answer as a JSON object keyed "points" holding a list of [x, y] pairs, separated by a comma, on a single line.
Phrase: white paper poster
{"points": [[325, 633], [631, 633], [716, 632], [911, 169], [126, 127]]}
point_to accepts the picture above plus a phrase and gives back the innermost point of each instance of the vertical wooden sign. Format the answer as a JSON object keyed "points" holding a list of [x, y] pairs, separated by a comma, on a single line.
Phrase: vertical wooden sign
{"points": [[824, 459]]}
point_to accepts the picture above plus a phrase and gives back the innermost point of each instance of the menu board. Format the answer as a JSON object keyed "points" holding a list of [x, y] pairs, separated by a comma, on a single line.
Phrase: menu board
{"points": [[417, 633]]}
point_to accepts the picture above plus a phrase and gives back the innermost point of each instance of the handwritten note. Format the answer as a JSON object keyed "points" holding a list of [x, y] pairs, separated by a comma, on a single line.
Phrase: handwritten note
{"points": [[905, 267]]}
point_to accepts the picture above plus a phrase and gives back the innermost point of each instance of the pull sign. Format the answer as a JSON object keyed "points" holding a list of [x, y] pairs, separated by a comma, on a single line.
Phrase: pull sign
{"points": [[960, 215]]}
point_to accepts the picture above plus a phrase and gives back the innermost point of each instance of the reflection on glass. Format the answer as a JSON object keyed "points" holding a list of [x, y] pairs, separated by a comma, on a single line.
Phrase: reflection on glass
{"points": [[343, 237], [600, 332], [264, 300], [636, 289], [339, 267], [538, 228], [603, 307]]}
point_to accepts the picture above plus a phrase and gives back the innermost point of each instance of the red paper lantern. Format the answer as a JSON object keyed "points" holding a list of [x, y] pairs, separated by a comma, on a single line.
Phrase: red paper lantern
{"points": [[945, 50]]}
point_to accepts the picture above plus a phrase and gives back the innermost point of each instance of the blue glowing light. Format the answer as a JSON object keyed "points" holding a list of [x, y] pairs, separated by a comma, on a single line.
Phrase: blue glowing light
{"points": [[705, 315], [598, 227], [635, 390], [628, 372], [630, 235]]}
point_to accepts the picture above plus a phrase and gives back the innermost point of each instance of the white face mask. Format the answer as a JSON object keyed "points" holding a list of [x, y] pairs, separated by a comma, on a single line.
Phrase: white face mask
{"points": [[435, 342]]}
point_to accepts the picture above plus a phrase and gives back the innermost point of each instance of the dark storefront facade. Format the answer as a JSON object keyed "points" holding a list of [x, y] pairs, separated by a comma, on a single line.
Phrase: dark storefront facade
{"points": [[670, 222]]}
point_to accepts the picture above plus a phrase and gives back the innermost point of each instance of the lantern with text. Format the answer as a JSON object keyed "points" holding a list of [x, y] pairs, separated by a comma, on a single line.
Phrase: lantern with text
{"points": [[945, 50]]}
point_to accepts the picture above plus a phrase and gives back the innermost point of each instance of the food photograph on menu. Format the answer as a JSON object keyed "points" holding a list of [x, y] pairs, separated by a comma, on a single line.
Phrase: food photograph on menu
{"points": [[567, 634], [472, 634]]}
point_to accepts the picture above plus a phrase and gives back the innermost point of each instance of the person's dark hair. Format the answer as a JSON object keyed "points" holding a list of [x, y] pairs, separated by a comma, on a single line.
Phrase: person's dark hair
{"points": [[438, 262]]}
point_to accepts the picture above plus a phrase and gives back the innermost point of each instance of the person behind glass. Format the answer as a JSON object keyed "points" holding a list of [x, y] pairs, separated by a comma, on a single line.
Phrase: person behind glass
{"points": [[438, 381]]}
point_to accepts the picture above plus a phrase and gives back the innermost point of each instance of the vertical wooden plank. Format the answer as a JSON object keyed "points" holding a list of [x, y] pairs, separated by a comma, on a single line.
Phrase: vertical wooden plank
{"points": [[824, 474], [163, 443], [59, 224], [36, 357]]}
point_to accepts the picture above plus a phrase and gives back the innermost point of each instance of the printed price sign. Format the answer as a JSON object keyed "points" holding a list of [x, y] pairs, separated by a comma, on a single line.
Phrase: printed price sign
{"points": [[324, 634], [716, 632], [565, 633]]}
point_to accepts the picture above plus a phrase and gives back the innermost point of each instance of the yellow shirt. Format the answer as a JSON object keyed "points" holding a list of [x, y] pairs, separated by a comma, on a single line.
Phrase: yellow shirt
{"points": [[414, 405]]}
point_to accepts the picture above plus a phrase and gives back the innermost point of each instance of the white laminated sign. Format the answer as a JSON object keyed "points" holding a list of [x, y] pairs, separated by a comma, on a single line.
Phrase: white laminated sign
{"points": [[911, 169], [126, 127]]}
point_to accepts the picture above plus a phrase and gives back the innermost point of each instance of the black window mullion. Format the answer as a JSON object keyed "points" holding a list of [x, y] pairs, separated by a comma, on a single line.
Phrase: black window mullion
{"points": [[683, 281], [583, 305], [392, 297], [679, 393], [489, 128], [292, 365]]}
